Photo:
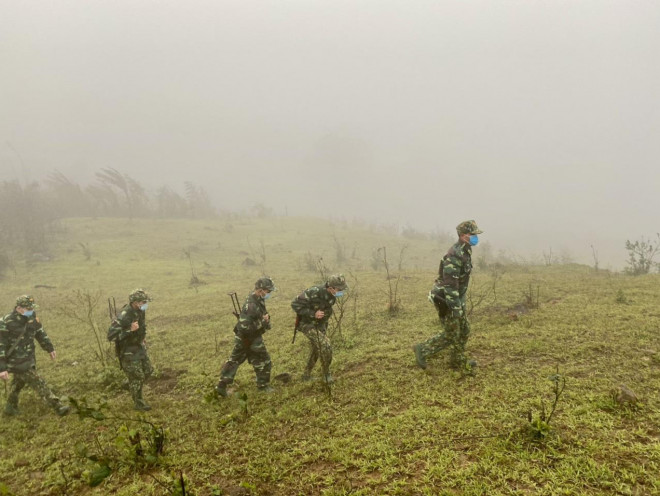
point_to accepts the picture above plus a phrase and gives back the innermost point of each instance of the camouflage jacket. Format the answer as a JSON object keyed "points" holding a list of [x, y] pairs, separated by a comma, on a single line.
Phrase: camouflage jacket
{"points": [[251, 320], [454, 274], [130, 342], [309, 301], [16, 329]]}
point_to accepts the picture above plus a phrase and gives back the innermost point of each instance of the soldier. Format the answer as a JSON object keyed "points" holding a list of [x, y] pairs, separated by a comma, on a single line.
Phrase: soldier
{"points": [[253, 322], [314, 309], [18, 330], [448, 295], [128, 331]]}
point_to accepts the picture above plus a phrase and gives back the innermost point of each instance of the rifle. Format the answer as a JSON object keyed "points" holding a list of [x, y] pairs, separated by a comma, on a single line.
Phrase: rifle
{"points": [[236, 304], [112, 312], [295, 328]]}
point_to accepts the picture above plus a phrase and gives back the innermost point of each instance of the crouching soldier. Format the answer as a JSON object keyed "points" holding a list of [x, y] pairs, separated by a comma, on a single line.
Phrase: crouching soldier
{"points": [[18, 330], [128, 331], [314, 309], [253, 321]]}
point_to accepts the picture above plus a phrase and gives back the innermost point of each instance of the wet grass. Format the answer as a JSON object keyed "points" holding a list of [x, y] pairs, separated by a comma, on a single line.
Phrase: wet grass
{"points": [[389, 428]]}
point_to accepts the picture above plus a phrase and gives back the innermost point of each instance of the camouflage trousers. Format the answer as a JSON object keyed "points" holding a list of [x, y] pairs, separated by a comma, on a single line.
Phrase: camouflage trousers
{"points": [[454, 337], [32, 379], [137, 371], [255, 353], [319, 347]]}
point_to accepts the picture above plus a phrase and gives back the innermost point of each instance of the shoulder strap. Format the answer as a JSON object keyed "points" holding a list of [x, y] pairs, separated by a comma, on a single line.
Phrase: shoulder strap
{"points": [[18, 341]]}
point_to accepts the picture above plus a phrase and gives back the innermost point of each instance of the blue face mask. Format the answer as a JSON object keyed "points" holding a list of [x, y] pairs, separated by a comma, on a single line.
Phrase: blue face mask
{"points": [[28, 313], [266, 296], [144, 307], [338, 294], [474, 240]]}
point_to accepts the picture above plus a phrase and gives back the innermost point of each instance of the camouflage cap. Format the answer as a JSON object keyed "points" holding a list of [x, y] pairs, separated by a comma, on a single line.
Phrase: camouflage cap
{"points": [[338, 281], [265, 283], [25, 301], [468, 227], [138, 295]]}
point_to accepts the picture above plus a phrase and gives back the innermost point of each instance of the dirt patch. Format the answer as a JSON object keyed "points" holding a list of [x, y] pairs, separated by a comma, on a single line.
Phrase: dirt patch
{"points": [[166, 380]]}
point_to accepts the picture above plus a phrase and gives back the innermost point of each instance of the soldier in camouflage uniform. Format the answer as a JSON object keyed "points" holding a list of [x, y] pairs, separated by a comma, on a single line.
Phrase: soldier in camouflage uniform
{"points": [[314, 309], [128, 331], [253, 322], [18, 330], [449, 295]]}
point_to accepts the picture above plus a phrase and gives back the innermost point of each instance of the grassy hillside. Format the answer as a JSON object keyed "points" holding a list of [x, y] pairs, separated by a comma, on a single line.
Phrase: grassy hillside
{"points": [[386, 426]]}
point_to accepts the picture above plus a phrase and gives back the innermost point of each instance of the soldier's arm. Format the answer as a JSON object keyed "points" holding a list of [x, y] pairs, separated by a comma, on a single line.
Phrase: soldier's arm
{"points": [[303, 304], [42, 338], [4, 342], [122, 326], [451, 269]]}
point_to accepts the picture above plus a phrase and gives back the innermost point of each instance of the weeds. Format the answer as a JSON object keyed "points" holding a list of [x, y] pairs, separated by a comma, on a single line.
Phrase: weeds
{"points": [[132, 447], [82, 307], [641, 254], [394, 303], [195, 281], [539, 425]]}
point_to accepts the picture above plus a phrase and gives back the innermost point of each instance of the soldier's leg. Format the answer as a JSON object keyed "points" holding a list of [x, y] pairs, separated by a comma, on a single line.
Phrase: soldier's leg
{"points": [[237, 357], [310, 333], [325, 352], [147, 368], [17, 383], [36, 382], [454, 329], [259, 358], [435, 344], [135, 374]]}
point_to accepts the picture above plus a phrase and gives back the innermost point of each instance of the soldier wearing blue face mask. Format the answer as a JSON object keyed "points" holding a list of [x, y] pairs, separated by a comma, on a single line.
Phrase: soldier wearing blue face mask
{"points": [[253, 322], [18, 331], [129, 331], [448, 296], [314, 309]]}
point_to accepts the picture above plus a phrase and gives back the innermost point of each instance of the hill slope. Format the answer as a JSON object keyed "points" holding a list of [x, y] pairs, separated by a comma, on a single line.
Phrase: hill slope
{"points": [[385, 426]]}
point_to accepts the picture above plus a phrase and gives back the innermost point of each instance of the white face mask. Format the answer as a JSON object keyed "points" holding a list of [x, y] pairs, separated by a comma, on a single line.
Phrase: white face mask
{"points": [[144, 307], [28, 313]]}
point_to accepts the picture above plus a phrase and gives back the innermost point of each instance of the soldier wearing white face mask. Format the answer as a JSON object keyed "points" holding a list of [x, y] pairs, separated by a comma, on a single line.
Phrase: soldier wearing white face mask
{"points": [[129, 331]]}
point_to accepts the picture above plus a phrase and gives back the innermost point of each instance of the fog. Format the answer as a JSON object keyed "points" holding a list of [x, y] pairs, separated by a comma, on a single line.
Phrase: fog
{"points": [[539, 119]]}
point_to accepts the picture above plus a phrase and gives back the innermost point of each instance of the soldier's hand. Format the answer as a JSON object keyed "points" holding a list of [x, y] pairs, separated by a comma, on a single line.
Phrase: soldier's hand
{"points": [[266, 318], [4, 375], [319, 314], [135, 326], [53, 355]]}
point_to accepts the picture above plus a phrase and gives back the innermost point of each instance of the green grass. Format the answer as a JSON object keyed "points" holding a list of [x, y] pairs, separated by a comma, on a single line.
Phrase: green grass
{"points": [[390, 428]]}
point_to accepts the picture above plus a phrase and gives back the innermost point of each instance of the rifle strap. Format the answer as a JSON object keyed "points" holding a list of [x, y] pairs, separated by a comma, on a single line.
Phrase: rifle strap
{"points": [[18, 341]]}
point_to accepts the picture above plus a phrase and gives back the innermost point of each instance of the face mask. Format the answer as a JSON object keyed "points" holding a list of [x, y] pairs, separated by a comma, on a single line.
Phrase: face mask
{"points": [[474, 239], [338, 294], [28, 313], [266, 296], [144, 307]]}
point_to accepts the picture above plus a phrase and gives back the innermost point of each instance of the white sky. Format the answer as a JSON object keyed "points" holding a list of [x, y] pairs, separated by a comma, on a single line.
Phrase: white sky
{"points": [[539, 119]]}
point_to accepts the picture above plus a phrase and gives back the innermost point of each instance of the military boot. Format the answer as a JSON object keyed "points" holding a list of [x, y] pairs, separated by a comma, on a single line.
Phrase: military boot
{"points": [[419, 356], [266, 389], [327, 378], [62, 410], [307, 376], [221, 389], [11, 410], [141, 406]]}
